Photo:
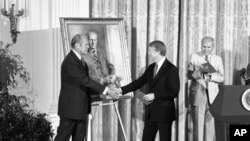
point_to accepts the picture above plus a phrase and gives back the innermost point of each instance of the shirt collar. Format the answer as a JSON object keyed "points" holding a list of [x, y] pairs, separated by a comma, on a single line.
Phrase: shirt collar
{"points": [[92, 50], [77, 54], [208, 57], [161, 62]]}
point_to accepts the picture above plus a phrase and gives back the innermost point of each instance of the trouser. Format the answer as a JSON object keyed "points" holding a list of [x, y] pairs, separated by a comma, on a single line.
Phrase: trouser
{"points": [[151, 128], [203, 123], [68, 127]]}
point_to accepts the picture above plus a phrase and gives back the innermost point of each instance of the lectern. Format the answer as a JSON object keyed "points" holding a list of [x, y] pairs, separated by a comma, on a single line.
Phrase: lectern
{"points": [[231, 106]]}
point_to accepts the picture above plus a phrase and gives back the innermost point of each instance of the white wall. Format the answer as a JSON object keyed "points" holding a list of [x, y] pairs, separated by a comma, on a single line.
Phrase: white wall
{"points": [[40, 46]]}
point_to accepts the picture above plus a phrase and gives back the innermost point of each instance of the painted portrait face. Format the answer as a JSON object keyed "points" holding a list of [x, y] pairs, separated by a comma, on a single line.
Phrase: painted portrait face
{"points": [[207, 47], [92, 40]]}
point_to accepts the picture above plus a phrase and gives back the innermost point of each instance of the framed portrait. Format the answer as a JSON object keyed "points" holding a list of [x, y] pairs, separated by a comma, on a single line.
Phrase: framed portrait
{"points": [[111, 40]]}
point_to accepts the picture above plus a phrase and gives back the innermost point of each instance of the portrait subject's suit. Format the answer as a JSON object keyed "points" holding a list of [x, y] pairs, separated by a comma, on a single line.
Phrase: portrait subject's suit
{"points": [[160, 114], [74, 99], [200, 97], [100, 69]]}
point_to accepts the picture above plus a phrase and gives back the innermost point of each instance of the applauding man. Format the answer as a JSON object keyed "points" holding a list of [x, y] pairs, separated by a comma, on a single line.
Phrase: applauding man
{"points": [[204, 88]]}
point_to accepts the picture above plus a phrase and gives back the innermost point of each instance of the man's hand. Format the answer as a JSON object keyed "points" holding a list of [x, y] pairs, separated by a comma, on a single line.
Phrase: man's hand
{"points": [[204, 70], [194, 72], [113, 93], [118, 90], [149, 97], [202, 82], [207, 77]]}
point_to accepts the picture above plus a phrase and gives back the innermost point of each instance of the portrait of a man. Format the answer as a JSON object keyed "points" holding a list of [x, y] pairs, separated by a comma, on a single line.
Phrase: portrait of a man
{"points": [[107, 48], [108, 63], [100, 68]]}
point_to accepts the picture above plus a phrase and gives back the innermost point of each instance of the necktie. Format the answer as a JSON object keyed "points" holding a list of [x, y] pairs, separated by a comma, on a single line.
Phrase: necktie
{"points": [[206, 58], [95, 56], [155, 70]]}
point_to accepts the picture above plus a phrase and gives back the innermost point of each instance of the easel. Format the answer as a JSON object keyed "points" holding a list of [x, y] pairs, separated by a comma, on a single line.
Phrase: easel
{"points": [[88, 135]]}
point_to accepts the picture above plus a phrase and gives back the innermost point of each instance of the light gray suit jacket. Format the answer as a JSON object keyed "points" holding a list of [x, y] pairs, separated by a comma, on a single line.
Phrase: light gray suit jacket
{"points": [[197, 95], [101, 69]]}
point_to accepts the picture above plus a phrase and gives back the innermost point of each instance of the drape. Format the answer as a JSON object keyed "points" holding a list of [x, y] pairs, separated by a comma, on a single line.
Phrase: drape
{"points": [[180, 24], [227, 22], [145, 21]]}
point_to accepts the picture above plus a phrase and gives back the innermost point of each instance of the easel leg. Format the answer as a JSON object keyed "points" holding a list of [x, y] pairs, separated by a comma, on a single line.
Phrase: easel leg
{"points": [[88, 134], [120, 121]]}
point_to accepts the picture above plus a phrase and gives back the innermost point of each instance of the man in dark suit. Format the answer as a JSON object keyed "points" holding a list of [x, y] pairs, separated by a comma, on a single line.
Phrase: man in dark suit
{"points": [[163, 86], [74, 99]]}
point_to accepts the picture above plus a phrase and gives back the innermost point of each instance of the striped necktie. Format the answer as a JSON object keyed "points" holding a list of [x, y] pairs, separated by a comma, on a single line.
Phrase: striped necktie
{"points": [[206, 58], [95, 56]]}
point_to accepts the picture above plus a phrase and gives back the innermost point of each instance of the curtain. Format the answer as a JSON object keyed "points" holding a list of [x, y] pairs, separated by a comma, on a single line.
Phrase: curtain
{"points": [[227, 21], [145, 21], [180, 24]]}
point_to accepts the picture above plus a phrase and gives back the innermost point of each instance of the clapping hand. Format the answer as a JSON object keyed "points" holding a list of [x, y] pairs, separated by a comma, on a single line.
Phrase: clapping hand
{"points": [[194, 72], [204, 70]]}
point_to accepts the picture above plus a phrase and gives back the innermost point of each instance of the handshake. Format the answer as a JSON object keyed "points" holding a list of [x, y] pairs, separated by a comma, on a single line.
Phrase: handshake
{"points": [[113, 93], [113, 84]]}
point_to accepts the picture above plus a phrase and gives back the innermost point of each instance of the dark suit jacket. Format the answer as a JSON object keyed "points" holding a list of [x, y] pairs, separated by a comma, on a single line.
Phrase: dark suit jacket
{"points": [[74, 99], [165, 86]]}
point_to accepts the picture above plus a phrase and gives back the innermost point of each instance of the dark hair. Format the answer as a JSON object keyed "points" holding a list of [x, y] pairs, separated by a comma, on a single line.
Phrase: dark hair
{"points": [[159, 47]]}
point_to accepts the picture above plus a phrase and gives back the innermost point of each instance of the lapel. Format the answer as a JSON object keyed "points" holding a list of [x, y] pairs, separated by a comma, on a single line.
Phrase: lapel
{"points": [[79, 62], [161, 72]]}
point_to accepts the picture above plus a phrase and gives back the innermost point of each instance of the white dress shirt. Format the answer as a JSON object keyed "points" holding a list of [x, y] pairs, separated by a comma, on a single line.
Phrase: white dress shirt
{"points": [[197, 59], [159, 64], [77, 54]]}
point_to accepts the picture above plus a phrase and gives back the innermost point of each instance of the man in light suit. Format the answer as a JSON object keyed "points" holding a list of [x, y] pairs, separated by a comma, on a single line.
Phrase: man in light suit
{"points": [[97, 60], [74, 99], [162, 79], [203, 89]]}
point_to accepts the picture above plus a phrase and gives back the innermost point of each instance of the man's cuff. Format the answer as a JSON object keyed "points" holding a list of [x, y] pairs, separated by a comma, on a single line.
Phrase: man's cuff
{"points": [[105, 90]]}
